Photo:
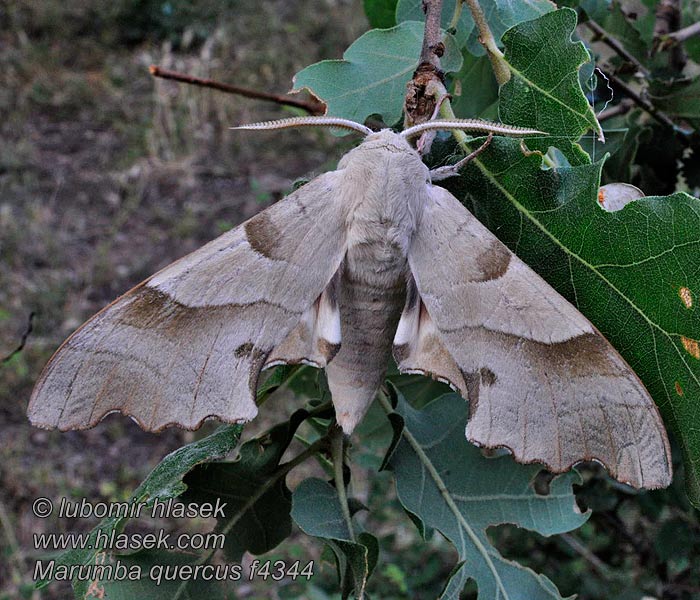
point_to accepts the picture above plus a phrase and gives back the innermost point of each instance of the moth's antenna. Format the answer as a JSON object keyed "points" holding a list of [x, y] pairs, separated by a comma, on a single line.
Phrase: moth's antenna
{"points": [[309, 122], [469, 125]]}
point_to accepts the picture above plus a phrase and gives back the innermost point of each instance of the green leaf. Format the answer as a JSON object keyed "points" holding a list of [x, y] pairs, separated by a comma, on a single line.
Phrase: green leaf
{"points": [[371, 79], [544, 90], [680, 99], [500, 15], [618, 26], [412, 10], [478, 90], [316, 510], [257, 499], [447, 483], [381, 14], [597, 10], [163, 483], [633, 273]]}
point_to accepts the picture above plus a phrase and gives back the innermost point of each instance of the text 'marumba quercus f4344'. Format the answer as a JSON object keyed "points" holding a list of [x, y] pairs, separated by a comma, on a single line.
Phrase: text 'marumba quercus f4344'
{"points": [[360, 262]]}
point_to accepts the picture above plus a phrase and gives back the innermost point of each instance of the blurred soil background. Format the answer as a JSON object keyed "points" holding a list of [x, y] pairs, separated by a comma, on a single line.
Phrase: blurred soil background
{"points": [[107, 175]]}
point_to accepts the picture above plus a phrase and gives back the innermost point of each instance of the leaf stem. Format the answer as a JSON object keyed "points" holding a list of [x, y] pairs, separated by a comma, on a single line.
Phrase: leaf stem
{"points": [[337, 453], [455, 16], [499, 65], [446, 112], [280, 472]]}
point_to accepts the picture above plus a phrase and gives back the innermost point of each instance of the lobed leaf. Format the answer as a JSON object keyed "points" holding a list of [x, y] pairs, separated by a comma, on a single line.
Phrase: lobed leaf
{"points": [[596, 259], [448, 484], [544, 90], [372, 76]]}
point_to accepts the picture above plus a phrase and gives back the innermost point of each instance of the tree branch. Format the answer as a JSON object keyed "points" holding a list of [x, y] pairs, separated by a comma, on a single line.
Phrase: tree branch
{"points": [[619, 109], [601, 568], [23, 340], [668, 20], [643, 103], [433, 46], [613, 43], [312, 107], [420, 101], [682, 35]]}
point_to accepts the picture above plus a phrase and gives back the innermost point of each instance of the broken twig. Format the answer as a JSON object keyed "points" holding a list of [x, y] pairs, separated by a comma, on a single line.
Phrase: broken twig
{"points": [[23, 340], [310, 106]]}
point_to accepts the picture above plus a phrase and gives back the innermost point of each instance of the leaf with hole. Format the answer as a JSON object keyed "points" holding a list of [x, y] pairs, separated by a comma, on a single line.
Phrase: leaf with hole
{"points": [[597, 259], [544, 90]]}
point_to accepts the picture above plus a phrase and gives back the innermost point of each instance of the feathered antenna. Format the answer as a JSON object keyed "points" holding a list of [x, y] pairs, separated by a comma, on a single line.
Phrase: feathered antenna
{"points": [[309, 122], [476, 125]]}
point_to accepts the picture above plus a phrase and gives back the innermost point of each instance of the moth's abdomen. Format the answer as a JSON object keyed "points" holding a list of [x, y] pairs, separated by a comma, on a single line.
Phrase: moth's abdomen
{"points": [[372, 294]]}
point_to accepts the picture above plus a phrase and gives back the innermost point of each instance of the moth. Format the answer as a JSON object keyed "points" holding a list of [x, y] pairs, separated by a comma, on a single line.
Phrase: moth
{"points": [[359, 263]]}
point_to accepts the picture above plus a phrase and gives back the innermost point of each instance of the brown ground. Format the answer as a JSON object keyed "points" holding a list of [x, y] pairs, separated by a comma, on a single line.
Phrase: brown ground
{"points": [[106, 175]]}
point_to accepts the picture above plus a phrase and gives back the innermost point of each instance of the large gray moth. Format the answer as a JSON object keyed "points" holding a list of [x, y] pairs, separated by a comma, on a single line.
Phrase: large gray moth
{"points": [[359, 262]]}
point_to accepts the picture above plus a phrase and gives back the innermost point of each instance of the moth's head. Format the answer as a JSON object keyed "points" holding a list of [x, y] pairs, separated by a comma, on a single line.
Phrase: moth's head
{"points": [[383, 153], [388, 140]]}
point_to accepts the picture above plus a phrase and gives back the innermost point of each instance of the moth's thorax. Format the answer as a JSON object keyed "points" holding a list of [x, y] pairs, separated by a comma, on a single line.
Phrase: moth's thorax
{"points": [[385, 190]]}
